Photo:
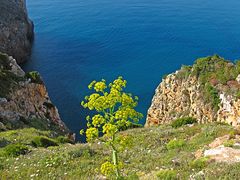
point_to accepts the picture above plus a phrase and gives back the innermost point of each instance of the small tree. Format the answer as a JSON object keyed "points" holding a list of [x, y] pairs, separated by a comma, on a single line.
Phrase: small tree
{"points": [[114, 111]]}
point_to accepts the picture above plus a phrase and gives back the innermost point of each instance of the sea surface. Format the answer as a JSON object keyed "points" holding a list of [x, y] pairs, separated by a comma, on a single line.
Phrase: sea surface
{"points": [[77, 41]]}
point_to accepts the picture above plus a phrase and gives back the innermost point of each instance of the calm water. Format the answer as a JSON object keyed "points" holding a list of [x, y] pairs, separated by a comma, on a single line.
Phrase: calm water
{"points": [[78, 41]]}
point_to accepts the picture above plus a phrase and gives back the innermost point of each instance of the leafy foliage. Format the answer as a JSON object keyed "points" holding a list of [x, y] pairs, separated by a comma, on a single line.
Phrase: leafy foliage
{"points": [[183, 121], [114, 111]]}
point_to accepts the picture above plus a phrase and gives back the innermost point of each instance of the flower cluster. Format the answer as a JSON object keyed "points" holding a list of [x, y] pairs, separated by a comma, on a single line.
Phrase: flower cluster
{"points": [[107, 168], [91, 134]]}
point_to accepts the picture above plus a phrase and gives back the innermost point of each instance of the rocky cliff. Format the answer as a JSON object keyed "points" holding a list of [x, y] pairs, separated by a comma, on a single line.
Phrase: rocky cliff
{"points": [[24, 101], [16, 30], [208, 91]]}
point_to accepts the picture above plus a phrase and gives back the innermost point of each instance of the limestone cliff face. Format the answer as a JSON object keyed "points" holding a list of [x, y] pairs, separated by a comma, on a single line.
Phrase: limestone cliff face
{"points": [[24, 101], [204, 92], [16, 30]]}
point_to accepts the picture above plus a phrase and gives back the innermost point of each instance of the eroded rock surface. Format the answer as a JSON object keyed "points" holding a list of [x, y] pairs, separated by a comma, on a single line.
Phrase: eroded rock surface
{"points": [[24, 100], [16, 29], [208, 91]]}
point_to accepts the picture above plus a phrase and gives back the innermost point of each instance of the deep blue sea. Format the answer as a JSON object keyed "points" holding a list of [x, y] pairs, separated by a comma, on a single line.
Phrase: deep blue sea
{"points": [[77, 41]]}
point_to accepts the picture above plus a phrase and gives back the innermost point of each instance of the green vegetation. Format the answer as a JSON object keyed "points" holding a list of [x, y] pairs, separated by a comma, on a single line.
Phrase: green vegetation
{"points": [[211, 95], [199, 164], [7, 78], [174, 144], [146, 158], [31, 137], [167, 175], [115, 111], [183, 121], [13, 150], [35, 77], [41, 124], [211, 72], [229, 143], [42, 141], [4, 63]]}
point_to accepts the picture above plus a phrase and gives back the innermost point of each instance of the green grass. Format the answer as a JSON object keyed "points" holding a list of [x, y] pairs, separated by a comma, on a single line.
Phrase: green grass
{"points": [[146, 157]]}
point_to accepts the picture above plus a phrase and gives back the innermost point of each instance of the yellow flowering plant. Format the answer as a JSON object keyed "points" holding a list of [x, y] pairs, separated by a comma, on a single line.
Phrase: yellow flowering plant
{"points": [[115, 110]]}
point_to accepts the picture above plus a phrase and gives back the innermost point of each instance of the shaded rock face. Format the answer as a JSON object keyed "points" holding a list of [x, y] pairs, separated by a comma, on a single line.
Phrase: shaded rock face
{"points": [[192, 92], [16, 30], [26, 103]]}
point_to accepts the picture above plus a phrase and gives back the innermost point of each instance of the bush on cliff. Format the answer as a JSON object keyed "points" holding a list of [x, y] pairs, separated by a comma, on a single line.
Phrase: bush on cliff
{"points": [[183, 121], [35, 77], [42, 141]]}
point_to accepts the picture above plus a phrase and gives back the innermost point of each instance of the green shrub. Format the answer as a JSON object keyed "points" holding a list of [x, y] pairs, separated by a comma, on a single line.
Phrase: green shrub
{"points": [[174, 144], [211, 95], [167, 175], [4, 62], [229, 143], [42, 141], [14, 150], [184, 72], [34, 76], [63, 139], [199, 163], [183, 121]]}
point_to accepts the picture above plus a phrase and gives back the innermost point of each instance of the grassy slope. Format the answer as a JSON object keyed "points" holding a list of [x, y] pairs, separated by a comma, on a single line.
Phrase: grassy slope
{"points": [[148, 154]]}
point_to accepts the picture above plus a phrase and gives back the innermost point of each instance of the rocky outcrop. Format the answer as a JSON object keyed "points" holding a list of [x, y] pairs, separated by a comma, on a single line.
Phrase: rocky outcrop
{"points": [[24, 101], [207, 91], [16, 30]]}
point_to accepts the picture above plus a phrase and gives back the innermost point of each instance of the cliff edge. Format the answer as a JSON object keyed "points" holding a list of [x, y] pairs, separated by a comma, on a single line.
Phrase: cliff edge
{"points": [[16, 29], [208, 91], [24, 101]]}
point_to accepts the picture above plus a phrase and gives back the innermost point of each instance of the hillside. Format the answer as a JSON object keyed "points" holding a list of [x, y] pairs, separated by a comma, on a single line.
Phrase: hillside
{"points": [[154, 153]]}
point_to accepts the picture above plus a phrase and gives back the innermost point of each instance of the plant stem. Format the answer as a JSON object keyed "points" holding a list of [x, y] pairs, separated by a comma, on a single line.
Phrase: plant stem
{"points": [[115, 157]]}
